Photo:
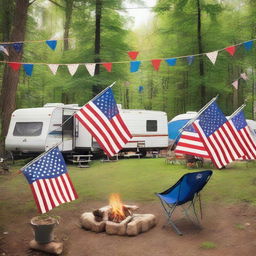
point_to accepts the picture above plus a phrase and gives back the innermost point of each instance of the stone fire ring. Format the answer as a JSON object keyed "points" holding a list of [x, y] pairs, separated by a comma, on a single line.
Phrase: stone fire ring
{"points": [[131, 226]]}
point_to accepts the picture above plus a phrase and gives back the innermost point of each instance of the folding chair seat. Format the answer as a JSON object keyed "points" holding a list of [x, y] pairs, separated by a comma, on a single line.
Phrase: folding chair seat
{"points": [[186, 190]]}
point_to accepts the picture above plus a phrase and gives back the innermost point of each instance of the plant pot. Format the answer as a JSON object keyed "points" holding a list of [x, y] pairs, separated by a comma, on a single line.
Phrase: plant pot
{"points": [[43, 229]]}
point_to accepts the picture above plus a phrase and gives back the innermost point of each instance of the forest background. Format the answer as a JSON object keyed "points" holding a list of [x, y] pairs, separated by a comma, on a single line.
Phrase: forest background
{"points": [[99, 32]]}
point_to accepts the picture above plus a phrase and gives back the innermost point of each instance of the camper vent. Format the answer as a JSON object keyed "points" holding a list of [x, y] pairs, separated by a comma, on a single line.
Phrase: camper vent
{"points": [[47, 105]]}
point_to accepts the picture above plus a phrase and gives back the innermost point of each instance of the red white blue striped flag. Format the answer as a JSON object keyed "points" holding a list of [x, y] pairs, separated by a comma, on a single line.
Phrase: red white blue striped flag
{"points": [[244, 135], [102, 119], [49, 181], [191, 144], [219, 136]]}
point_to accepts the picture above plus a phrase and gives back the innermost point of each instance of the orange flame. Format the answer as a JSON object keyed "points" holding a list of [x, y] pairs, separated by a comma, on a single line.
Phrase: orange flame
{"points": [[117, 206]]}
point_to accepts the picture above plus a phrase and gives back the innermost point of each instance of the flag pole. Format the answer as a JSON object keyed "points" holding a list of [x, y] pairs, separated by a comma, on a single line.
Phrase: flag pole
{"points": [[238, 110], [199, 113]]}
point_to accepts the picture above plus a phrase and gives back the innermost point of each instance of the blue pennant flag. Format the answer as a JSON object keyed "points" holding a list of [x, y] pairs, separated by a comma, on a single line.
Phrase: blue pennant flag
{"points": [[171, 62], [52, 44], [28, 68], [134, 66], [141, 88], [17, 46], [248, 45], [190, 59]]}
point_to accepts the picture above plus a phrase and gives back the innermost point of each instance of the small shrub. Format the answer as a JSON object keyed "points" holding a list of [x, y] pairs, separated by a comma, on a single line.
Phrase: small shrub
{"points": [[208, 245], [240, 226]]}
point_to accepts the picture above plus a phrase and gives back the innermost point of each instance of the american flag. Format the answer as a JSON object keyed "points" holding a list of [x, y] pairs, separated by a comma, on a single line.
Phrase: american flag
{"points": [[219, 136], [244, 135], [49, 181], [102, 119], [191, 144]]}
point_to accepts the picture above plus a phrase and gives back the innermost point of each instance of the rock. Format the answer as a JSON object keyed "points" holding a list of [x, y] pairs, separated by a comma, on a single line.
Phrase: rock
{"points": [[88, 222], [140, 223]]}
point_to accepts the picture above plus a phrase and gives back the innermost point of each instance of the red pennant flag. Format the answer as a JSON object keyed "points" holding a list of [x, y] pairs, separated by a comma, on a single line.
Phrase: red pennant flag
{"points": [[156, 64], [108, 66], [133, 55], [15, 65], [231, 50]]}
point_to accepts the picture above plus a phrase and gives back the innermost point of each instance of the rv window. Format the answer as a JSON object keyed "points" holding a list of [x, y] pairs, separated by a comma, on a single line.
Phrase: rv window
{"points": [[151, 125], [28, 129]]}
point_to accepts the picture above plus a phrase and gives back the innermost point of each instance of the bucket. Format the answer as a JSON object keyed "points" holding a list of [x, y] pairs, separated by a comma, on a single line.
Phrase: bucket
{"points": [[43, 229]]}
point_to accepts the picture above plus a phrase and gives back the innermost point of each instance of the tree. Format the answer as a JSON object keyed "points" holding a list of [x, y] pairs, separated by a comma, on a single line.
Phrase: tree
{"points": [[11, 77]]}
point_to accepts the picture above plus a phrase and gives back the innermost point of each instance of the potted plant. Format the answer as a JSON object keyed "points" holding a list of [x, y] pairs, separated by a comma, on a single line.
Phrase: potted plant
{"points": [[43, 227]]}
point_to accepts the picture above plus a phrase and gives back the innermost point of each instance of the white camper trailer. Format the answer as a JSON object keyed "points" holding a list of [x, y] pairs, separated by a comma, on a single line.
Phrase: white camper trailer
{"points": [[34, 130]]}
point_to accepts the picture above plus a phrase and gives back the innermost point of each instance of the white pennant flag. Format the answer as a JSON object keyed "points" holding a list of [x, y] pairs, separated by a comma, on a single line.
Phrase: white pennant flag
{"points": [[212, 56], [3, 49], [72, 68], [235, 84], [244, 76], [53, 68], [90, 68]]}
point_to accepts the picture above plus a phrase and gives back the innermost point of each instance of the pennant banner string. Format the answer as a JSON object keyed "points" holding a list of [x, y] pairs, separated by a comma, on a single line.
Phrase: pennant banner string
{"points": [[119, 62], [37, 41]]}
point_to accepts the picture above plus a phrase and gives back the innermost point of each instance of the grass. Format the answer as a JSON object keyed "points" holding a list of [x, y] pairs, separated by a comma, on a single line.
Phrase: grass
{"points": [[208, 245], [135, 180]]}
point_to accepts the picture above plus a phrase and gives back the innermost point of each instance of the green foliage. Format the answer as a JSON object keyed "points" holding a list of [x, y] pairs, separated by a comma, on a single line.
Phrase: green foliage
{"points": [[208, 245]]}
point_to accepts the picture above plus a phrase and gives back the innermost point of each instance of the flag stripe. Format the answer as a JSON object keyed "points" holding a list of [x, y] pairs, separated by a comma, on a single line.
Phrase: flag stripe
{"points": [[217, 147], [195, 146], [46, 195], [120, 131], [124, 126], [69, 189], [56, 191], [39, 198], [71, 185], [43, 195], [221, 139], [52, 193], [59, 191], [35, 198], [63, 189], [250, 145], [66, 188]]}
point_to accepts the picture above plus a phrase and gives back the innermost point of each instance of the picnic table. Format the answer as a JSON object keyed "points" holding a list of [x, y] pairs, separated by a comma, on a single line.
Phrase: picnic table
{"points": [[82, 160], [132, 154]]}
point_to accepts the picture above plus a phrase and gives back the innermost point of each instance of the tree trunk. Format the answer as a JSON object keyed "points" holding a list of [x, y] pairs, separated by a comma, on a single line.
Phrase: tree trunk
{"points": [[95, 88], [11, 77], [68, 17], [200, 50], [6, 10]]}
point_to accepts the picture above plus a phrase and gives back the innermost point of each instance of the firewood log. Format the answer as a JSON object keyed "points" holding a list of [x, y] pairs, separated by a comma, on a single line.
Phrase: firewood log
{"points": [[52, 247]]}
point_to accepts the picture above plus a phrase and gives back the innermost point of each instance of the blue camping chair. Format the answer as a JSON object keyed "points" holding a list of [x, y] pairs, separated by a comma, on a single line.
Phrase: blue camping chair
{"points": [[187, 189]]}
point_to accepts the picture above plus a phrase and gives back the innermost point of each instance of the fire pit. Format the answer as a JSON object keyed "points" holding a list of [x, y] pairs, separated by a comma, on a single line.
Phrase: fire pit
{"points": [[117, 219]]}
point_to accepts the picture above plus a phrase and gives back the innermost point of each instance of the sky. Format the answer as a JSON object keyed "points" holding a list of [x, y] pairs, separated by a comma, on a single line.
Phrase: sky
{"points": [[140, 16]]}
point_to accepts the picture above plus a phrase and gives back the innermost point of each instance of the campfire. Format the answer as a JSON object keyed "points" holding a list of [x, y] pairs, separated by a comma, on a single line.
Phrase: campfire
{"points": [[117, 219]]}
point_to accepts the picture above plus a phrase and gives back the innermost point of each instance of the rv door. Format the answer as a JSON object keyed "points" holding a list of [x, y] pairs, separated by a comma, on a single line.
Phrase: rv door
{"points": [[67, 132]]}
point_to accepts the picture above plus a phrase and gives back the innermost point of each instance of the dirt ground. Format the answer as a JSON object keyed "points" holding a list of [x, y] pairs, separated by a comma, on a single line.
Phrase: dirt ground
{"points": [[231, 229]]}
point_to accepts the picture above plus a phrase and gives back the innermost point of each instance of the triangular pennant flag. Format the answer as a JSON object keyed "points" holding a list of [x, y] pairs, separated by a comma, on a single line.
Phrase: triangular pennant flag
{"points": [[72, 68], [171, 62], [212, 56], [190, 59], [91, 68], [15, 65], [53, 68], [248, 45], [17, 46], [134, 66], [156, 64], [3, 49], [244, 76], [133, 55], [51, 43], [108, 66], [141, 88], [28, 68], [231, 50], [235, 84]]}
